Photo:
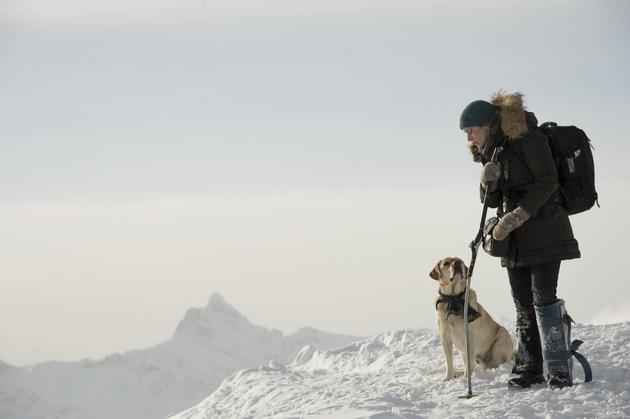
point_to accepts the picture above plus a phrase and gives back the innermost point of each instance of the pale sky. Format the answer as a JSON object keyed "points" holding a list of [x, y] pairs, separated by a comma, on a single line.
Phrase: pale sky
{"points": [[302, 158]]}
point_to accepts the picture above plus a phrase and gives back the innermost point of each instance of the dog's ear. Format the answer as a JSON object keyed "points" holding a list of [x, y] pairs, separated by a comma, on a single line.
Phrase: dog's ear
{"points": [[435, 273], [465, 270]]}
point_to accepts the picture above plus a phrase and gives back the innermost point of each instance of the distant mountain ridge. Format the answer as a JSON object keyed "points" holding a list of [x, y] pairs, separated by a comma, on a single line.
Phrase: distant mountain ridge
{"points": [[208, 345]]}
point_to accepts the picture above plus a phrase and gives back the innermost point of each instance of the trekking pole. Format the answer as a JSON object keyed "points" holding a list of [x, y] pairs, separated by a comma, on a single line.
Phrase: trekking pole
{"points": [[474, 246]]}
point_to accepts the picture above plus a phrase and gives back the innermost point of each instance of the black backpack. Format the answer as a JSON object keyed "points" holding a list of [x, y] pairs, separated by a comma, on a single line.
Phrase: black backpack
{"points": [[571, 149]]}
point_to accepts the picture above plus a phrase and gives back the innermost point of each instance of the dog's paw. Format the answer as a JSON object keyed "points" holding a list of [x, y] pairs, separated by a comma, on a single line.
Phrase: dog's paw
{"points": [[453, 375]]}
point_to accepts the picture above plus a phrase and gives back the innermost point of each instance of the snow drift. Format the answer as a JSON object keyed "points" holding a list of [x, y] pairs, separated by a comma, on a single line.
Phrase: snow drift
{"points": [[399, 374]]}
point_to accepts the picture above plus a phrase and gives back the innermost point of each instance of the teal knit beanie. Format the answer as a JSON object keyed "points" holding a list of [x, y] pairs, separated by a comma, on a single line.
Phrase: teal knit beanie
{"points": [[477, 114]]}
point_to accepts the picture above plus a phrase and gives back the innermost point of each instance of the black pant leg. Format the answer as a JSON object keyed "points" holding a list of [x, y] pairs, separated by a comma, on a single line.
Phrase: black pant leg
{"points": [[545, 283], [521, 285], [528, 358]]}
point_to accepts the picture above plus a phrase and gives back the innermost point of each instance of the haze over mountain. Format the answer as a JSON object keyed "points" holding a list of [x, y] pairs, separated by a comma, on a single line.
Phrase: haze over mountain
{"points": [[209, 344]]}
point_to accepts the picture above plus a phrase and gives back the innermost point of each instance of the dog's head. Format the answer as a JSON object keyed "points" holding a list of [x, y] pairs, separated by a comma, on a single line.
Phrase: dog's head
{"points": [[450, 272]]}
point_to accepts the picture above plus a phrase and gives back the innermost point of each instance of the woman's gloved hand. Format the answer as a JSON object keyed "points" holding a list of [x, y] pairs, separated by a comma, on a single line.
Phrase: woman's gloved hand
{"points": [[510, 222], [490, 173]]}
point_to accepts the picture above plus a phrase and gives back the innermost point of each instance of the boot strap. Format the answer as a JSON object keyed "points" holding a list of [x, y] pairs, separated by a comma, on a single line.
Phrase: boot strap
{"points": [[588, 373], [564, 355]]}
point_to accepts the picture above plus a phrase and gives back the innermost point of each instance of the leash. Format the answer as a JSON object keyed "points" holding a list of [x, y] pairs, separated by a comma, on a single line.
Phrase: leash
{"points": [[474, 247]]}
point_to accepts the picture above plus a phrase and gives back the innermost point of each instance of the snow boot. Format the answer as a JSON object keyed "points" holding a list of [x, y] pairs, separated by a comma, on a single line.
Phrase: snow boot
{"points": [[554, 325], [528, 359], [525, 380]]}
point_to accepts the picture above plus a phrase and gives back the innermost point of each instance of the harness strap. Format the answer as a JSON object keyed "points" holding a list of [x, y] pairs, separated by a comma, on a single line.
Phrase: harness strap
{"points": [[455, 305]]}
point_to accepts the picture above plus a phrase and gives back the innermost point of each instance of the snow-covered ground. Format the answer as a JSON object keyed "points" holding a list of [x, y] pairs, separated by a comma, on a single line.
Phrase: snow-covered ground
{"points": [[393, 375], [399, 375], [209, 344]]}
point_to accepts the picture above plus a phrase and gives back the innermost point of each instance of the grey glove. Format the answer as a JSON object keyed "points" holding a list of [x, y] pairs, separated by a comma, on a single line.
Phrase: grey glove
{"points": [[490, 173], [510, 222]]}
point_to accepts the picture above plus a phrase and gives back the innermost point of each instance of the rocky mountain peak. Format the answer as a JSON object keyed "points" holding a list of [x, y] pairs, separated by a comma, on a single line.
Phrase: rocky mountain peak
{"points": [[211, 320]]}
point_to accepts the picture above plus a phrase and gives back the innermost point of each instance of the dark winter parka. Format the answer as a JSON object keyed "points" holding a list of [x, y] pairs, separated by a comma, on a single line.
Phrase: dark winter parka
{"points": [[529, 179]]}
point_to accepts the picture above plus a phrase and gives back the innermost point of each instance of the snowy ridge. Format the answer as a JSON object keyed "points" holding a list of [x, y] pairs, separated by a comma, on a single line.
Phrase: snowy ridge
{"points": [[4, 366], [399, 374], [209, 344], [612, 314]]}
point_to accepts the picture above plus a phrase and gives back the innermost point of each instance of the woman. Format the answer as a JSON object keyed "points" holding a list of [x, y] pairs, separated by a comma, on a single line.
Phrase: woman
{"points": [[523, 186]]}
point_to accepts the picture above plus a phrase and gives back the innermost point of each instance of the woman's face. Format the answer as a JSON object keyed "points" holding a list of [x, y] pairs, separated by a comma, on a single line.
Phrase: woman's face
{"points": [[477, 135]]}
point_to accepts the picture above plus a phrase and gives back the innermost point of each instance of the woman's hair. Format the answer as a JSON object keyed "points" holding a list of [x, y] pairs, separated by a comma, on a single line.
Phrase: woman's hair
{"points": [[494, 135]]}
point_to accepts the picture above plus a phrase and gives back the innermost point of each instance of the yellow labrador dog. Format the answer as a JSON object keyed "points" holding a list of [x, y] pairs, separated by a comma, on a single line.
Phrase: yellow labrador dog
{"points": [[490, 343]]}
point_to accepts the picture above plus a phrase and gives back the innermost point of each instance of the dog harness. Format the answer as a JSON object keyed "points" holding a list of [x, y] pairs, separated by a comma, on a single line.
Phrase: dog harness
{"points": [[455, 306]]}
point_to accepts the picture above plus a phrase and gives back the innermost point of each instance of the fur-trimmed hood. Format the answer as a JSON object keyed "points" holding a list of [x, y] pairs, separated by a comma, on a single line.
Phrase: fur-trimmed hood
{"points": [[512, 115], [513, 119]]}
